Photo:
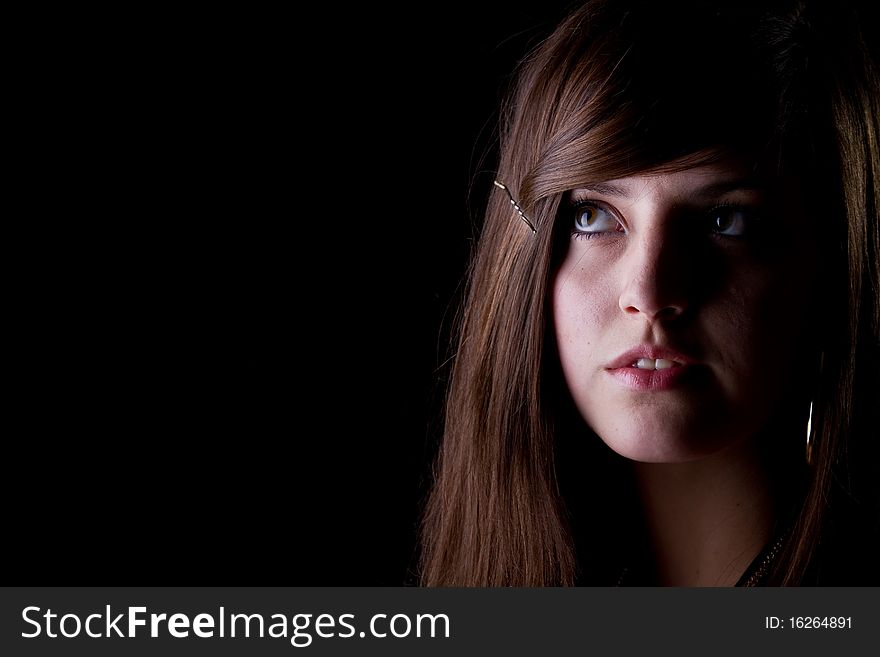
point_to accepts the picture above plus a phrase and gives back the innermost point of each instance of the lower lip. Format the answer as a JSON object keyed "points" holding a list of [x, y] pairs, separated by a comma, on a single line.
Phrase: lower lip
{"points": [[638, 379]]}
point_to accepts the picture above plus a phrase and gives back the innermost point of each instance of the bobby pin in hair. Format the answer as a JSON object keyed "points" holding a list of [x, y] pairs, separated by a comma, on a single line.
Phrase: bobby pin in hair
{"points": [[518, 209]]}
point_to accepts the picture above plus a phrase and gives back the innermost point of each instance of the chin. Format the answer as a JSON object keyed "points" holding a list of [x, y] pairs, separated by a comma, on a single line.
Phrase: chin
{"points": [[662, 455], [663, 446]]}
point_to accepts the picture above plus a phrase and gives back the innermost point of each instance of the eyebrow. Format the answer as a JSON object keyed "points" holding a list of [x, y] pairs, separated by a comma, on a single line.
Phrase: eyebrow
{"points": [[714, 189], [606, 189], [737, 184]]}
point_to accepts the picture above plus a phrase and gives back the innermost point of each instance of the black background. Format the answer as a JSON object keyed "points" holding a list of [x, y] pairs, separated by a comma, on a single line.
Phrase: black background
{"points": [[236, 261]]}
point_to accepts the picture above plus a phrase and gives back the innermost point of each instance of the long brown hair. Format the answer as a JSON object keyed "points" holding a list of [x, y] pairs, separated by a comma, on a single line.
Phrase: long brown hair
{"points": [[620, 88]]}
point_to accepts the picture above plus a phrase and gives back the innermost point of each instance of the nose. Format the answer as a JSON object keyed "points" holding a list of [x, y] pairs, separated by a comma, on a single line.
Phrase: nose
{"points": [[655, 278]]}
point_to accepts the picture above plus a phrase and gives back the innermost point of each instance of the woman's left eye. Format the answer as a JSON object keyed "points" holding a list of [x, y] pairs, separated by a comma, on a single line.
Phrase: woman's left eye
{"points": [[730, 221]]}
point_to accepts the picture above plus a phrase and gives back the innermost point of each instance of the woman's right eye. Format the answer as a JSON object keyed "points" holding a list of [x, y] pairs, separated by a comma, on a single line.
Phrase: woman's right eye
{"points": [[593, 218]]}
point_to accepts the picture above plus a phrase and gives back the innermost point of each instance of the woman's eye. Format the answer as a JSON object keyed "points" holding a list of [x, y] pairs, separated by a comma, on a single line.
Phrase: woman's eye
{"points": [[593, 218], [730, 221]]}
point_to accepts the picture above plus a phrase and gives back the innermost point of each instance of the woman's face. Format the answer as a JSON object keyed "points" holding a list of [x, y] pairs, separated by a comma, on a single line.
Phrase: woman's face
{"points": [[679, 307]]}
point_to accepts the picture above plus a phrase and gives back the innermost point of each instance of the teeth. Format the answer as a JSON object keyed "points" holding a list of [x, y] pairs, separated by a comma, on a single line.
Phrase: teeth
{"points": [[651, 364]]}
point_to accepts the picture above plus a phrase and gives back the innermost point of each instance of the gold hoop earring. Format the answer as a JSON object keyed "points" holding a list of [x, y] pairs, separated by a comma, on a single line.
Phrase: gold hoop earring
{"points": [[809, 451], [811, 438]]}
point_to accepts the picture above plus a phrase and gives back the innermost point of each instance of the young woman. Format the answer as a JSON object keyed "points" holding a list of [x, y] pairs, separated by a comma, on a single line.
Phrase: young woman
{"points": [[667, 364]]}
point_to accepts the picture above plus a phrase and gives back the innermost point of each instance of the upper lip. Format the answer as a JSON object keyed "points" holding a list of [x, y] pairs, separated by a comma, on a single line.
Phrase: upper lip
{"points": [[629, 357]]}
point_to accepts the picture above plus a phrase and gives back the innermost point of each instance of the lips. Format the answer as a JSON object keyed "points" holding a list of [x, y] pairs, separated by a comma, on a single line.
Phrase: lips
{"points": [[651, 368], [650, 357]]}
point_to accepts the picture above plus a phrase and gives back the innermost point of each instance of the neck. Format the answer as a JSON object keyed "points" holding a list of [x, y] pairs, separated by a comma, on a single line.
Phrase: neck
{"points": [[707, 519]]}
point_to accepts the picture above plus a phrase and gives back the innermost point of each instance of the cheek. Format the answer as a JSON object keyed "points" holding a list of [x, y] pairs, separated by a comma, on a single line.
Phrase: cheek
{"points": [[783, 287], [583, 309], [760, 327]]}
